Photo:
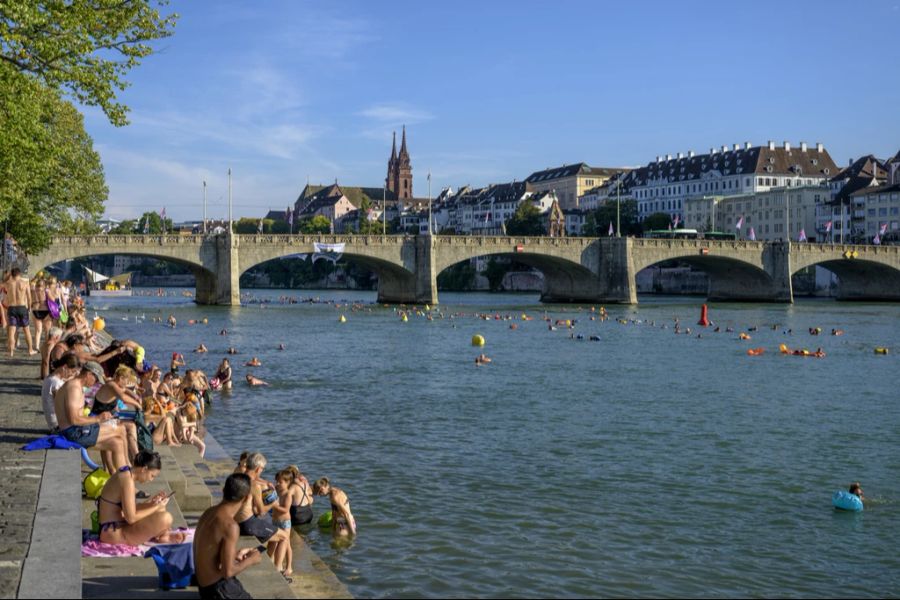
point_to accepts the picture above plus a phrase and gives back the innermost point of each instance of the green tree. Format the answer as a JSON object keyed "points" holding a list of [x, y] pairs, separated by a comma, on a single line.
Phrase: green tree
{"points": [[315, 225], [458, 278], [50, 175], [598, 221], [85, 47], [527, 220], [657, 221], [250, 225]]}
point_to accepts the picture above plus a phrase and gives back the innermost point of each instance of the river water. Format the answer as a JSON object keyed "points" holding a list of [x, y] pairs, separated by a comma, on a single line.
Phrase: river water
{"points": [[645, 464]]}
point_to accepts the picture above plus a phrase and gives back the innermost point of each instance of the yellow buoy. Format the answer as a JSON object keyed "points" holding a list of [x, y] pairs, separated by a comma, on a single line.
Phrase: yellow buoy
{"points": [[404, 318], [343, 319], [99, 324], [882, 350], [477, 340], [205, 321]]}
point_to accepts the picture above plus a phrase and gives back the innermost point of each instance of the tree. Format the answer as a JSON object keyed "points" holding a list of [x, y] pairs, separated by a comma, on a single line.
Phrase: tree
{"points": [[657, 221], [85, 47], [150, 222], [317, 224], [527, 220], [495, 271], [50, 175], [598, 221]]}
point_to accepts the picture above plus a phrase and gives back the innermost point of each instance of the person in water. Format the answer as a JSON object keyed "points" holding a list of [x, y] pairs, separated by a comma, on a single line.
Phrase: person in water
{"points": [[223, 374], [217, 560], [253, 362], [255, 381], [342, 521], [201, 348], [856, 490], [122, 519], [301, 510], [482, 359]]}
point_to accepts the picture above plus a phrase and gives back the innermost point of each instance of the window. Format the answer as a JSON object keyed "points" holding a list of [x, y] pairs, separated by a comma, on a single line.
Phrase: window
{"points": [[882, 212], [871, 212]]}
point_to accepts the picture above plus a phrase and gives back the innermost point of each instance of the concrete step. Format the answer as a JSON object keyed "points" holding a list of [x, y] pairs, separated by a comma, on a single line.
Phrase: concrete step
{"points": [[52, 567], [197, 496], [312, 577]]}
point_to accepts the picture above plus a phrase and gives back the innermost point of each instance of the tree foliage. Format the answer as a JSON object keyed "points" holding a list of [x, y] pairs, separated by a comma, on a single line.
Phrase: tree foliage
{"points": [[598, 221], [50, 176], [657, 221], [317, 224], [85, 47], [149, 221], [527, 220]]}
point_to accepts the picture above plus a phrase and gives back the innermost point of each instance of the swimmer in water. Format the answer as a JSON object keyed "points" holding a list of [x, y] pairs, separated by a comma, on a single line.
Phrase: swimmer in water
{"points": [[856, 490], [223, 332], [482, 359], [281, 346], [253, 362], [232, 350], [201, 348], [255, 381], [172, 321]]}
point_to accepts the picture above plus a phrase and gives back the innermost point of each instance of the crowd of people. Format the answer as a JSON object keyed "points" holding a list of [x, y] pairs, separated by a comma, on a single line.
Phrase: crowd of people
{"points": [[106, 395]]}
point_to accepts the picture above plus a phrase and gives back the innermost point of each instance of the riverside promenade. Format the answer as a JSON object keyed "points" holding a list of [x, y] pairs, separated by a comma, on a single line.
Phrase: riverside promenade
{"points": [[42, 514]]}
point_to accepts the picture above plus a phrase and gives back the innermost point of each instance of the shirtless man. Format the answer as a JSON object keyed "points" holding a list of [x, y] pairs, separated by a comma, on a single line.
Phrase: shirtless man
{"points": [[217, 561], [18, 296], [254, 381], [53, 336], [92, 430]]}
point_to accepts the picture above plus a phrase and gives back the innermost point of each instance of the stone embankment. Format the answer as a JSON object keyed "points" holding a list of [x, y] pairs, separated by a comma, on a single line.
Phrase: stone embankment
{"points": [[42, 514]]}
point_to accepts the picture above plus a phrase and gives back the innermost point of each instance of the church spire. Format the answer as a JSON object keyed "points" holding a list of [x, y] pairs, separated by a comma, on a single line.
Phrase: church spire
{"points": [[403, 152], [394, 148]]}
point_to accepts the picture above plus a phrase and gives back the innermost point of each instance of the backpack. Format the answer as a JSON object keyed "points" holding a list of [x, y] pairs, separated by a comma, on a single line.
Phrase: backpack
{"points": [[144, 435]]}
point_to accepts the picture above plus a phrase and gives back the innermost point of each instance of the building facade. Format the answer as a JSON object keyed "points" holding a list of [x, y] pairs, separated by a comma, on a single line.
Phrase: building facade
{"points": [[665, 185], [569, 182], [775, 214]]}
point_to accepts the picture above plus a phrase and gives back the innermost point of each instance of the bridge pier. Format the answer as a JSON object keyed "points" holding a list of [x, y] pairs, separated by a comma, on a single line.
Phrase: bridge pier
{"points": [[222, 286], [616, 271]]}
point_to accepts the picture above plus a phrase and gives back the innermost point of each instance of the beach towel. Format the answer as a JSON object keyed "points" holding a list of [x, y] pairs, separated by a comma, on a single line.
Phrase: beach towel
{"points": [[51, 442], [92, 546], [175, 564]]}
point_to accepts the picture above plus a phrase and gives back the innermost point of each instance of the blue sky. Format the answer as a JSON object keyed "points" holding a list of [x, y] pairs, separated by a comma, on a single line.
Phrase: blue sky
{"points": [[489, 91]]}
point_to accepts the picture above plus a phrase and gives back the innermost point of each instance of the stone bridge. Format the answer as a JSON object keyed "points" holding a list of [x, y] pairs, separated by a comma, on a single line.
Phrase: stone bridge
{"points": [[575, 269]]}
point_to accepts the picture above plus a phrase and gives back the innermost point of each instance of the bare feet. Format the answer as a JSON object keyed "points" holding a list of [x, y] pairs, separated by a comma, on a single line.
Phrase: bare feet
{"points": [[171, 537]]}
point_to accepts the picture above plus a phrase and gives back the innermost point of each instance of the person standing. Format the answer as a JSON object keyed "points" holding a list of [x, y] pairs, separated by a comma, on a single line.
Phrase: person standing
{"points": [[18, 294], [217, 561]]}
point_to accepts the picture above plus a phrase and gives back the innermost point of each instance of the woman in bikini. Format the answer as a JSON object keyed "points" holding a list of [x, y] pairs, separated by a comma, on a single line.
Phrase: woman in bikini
{"points": [[118, 394], [342, 522], [123, 520], [53, 293], [223, 374], [39, 310], [302, 499]]}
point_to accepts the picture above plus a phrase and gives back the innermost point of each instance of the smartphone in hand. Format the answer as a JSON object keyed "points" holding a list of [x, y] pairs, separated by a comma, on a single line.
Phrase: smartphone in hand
{"points": [[261, 549]]}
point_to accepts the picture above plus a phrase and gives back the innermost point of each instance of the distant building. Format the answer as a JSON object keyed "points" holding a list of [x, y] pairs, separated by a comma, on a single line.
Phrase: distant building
{"points": [[664, 186], [880, 207], [107, 224], [570, 182], [775, 214]]}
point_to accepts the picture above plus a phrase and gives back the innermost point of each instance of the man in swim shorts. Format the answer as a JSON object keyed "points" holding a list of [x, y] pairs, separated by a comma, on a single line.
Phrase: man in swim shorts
{"points": [[18, 294], [217, 561], [95, 430], [254, 519]]}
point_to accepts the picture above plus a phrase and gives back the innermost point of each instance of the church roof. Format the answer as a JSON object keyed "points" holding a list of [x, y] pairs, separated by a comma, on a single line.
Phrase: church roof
{"points": [[315, 193], [570, 171]]}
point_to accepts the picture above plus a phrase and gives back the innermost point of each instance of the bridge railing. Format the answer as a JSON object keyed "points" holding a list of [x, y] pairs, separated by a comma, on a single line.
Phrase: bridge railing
{"points": [[127, 240]]}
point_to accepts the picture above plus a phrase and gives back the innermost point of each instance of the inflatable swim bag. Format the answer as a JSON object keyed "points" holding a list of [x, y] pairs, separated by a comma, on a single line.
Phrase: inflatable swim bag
{"points": [[846, 501], [325, 520]]}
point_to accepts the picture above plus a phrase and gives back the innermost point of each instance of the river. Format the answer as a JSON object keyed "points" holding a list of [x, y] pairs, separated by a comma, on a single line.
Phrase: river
{"points": [[643, 464]]}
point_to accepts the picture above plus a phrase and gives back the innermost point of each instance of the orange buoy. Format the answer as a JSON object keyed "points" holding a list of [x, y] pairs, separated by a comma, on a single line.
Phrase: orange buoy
{"points": [[755, 351], [704, 317]]}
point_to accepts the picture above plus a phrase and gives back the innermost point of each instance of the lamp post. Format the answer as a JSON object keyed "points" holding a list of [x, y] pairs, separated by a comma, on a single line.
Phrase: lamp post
{"points": [[230, 213], [383, 210], [429, 204], [618, 210], [204, 208]]}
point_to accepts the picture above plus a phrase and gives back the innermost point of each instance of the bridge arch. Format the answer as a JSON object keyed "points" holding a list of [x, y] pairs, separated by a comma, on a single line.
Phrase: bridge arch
{"points": [[737, 270], [863, 272], [569, 265], [391, 258]]}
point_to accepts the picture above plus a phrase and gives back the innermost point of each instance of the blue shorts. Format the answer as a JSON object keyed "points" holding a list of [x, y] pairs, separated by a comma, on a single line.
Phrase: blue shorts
{"points": [[83, 435], [18, 316]]}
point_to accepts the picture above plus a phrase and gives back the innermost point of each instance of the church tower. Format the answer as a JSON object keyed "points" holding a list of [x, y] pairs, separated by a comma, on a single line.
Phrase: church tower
{"points": [[399, 176]]}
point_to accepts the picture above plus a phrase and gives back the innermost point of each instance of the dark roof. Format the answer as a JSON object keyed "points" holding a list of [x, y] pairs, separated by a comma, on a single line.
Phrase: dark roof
{"points": [[859, 175], [355, 195], [276, 215], [570, 171], [881, 189], [758, 160]]}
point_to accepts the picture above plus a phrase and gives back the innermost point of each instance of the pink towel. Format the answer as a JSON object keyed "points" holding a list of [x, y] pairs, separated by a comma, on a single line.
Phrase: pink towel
{"points": [[92, 546]]}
